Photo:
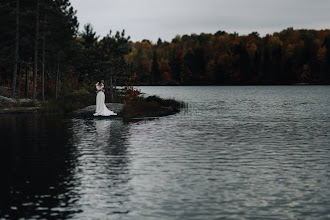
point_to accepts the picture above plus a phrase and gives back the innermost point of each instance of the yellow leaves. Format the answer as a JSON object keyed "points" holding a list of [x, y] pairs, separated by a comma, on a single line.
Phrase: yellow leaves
{"points": [[251, 46], [236, 42], [129, 58], [142, 45], [223, 38], [275, 40], [145, 45], [178, 37], [226, 60], [251, 49], [160, 52]]}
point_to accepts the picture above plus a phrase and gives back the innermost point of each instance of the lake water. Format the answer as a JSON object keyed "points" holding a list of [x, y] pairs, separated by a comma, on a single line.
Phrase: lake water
{"points": [[250, 152]]}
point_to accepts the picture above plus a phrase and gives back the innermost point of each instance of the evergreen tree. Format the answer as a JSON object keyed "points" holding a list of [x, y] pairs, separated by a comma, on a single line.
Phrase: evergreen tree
{"points": [[155, 73], [114, 48], [13, 87]]}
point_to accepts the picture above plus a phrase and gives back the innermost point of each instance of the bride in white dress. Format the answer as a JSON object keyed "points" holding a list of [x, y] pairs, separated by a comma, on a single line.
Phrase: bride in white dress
{"points": [[101, 109]]}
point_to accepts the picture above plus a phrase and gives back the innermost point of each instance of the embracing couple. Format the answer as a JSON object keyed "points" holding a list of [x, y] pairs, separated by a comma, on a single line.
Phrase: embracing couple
{"points": [[101, 109]]}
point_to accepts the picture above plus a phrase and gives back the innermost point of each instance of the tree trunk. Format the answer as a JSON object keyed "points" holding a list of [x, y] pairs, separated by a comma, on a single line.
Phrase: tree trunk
{"points": [[114, 90], [35, 69], [111, 87], [43, 64], [57, 77], [27, 81], [13, 86], [19, 83]]}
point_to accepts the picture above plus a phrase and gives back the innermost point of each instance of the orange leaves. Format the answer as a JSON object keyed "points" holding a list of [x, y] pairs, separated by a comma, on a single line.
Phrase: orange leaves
{"points": [[166, 76], [131, 94], [231, 58], [251, 48], [143, 44], [275, 40]]}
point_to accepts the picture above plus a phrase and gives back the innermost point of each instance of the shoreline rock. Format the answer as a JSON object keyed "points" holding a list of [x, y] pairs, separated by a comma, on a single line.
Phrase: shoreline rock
{"points": [[20, 110], [18, 106], [141, 108], [88, 111], [5, 100]]}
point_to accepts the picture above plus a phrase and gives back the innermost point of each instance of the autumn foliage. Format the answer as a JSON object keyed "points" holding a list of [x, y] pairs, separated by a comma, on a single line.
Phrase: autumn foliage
{"points": [[288, 57], [70, 60]]}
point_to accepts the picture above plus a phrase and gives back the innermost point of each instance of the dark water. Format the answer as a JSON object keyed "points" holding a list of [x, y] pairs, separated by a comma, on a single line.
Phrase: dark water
{"points": [[235, 153]]}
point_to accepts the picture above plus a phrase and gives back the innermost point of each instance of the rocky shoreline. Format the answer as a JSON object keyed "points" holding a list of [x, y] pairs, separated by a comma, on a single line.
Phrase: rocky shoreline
{"points": [[20, 110], [141, 108], [88, 111], [20, 106]]}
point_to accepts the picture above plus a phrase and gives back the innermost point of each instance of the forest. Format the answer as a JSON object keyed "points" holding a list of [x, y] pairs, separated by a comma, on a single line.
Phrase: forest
{"points": [[44, 56]]}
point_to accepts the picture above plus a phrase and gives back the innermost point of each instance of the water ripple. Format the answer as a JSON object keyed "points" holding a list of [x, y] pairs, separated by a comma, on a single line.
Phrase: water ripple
{"points": [[235, 153]]}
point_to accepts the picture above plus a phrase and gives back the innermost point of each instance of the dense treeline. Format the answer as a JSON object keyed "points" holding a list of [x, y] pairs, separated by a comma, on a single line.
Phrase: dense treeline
{"points": [[291, 56], [43, 55], [36, 39]]}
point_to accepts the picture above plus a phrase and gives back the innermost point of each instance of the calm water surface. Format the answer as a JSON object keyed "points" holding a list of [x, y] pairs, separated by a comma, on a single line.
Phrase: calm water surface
{"points": [[234, 153]]}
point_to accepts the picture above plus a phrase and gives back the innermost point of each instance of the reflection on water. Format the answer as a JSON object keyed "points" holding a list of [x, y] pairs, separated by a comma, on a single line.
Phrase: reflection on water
{"points": [[235, 153], [35, 167], [63, 168], [102, 168]]}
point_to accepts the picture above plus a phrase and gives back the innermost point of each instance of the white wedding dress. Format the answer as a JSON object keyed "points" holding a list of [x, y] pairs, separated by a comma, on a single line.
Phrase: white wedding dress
{"points": [[101, 109]]}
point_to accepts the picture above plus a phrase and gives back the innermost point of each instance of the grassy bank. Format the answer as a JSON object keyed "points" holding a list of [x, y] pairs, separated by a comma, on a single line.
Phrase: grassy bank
{"points": [[68, 103], [152, 106]]}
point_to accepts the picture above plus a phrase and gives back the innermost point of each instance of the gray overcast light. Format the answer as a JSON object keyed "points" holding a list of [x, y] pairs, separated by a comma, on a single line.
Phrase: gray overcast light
{"points": [[153, 19]]}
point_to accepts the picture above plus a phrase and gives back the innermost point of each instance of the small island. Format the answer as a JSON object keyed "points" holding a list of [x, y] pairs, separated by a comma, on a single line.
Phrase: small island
{"points": [[80, 104], [150, 107]]}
